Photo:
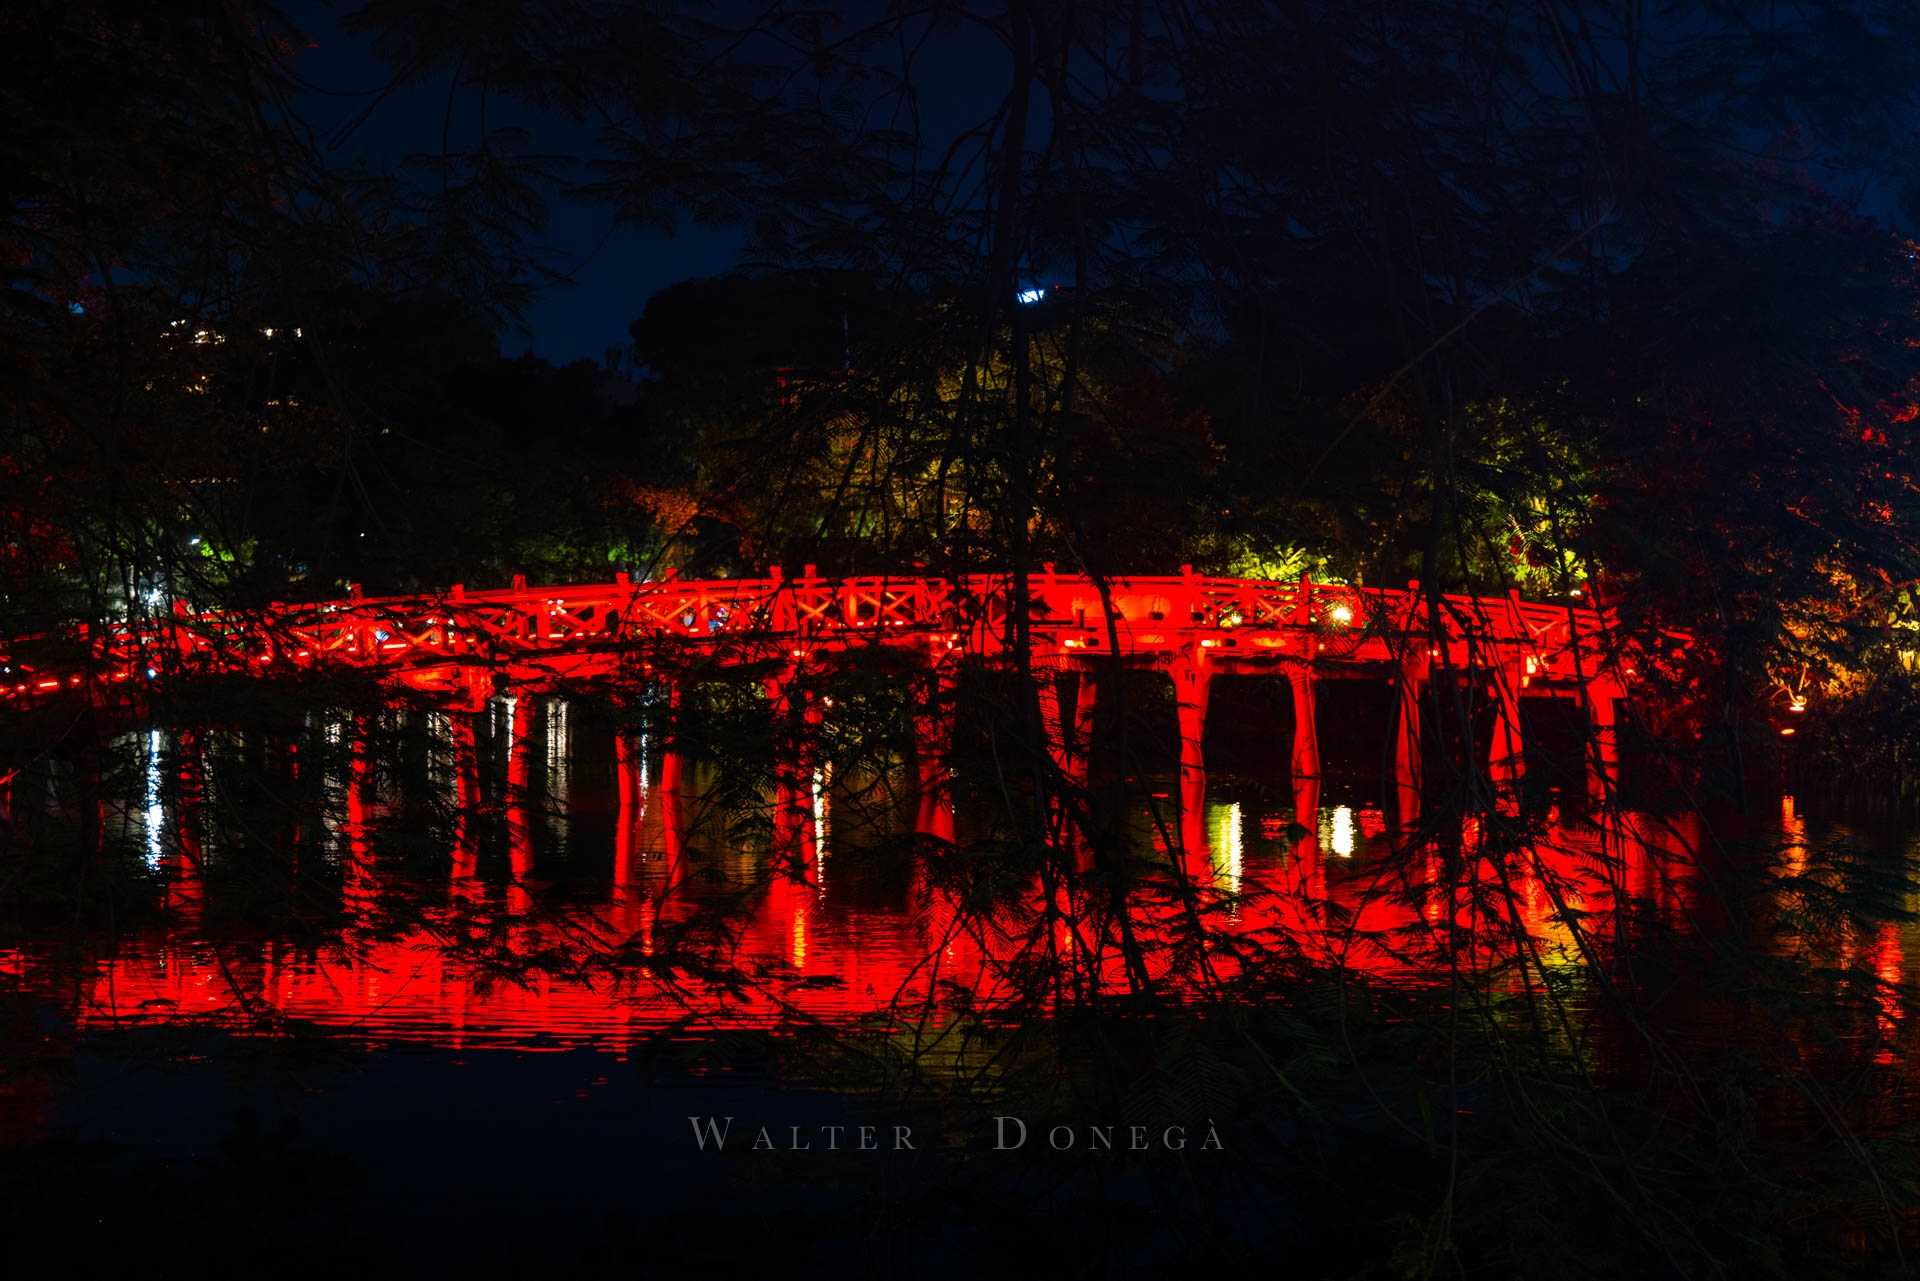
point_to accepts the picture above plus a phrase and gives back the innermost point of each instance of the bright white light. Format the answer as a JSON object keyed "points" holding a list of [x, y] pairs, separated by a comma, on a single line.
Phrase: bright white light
{"points": [[559, 734], [1341, 614], [1030, 295], [1343, 831], [156, 813]]}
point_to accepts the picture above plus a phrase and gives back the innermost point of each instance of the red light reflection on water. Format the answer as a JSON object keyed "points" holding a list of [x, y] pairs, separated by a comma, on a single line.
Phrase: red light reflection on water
{"points": [[1325, 885]]}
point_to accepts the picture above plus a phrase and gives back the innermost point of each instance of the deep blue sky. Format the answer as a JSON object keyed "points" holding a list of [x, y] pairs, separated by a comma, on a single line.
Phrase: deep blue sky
{"points": [[960, 77], [614, 269]]}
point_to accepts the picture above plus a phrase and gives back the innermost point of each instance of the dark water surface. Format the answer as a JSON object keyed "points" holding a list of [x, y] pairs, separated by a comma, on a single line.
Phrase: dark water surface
{"points": [[496, 1064]]}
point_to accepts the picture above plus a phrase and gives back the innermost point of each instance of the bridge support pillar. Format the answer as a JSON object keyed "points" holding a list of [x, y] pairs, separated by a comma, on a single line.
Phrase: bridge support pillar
{"points": [[358, 884], [463, 744], [933, 718], [182, 857], [1192, 690], [666, 793], [1068, 725], [1053, 721], [1306, 816], [630, 787], [91, 797], [670, 756], [282, 751], [1305, 759], [1193, 820], [1603, 743], [797, 716], [1086, 704], [522, 711], [1507, 757], [1410, 686]]}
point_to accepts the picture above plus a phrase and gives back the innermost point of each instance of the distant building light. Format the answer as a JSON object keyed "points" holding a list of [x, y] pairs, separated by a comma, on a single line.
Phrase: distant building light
{"points": [[1030, 295]]}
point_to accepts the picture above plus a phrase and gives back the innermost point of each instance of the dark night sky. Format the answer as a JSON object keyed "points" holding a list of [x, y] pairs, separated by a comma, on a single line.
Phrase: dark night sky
{"points": [[614, 269]]}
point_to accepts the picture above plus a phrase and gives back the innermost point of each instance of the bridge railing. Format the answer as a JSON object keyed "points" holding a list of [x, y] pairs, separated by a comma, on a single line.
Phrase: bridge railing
{"points": [[969, 612]]}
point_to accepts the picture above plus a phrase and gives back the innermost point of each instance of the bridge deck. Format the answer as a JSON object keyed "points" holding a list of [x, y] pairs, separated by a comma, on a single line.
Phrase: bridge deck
{"points": [[579, 632]]}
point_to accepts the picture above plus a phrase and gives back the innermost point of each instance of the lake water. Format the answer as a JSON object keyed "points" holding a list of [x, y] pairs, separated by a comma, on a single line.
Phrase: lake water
{"points": [[584, 959]]}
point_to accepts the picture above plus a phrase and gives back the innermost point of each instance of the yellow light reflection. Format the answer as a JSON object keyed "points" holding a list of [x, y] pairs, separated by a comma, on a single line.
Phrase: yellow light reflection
{"points": [[1343, 831], [1226, 846], [1794, 828]]}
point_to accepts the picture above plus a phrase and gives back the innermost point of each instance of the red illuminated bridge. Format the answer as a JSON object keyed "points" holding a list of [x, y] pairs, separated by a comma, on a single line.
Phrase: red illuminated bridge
{"points": [[463, 647]]}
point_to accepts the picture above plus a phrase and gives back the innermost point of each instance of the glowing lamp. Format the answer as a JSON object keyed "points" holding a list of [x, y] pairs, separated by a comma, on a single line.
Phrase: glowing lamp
{"points": [[1341, 614]]}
